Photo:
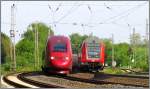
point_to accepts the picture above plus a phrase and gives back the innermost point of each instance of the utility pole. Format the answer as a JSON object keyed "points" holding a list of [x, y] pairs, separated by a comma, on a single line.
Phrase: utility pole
{"points": [[130, 48], [147, 41], [35, 47], [113, 62], [11, 46], [49, 31], [133, 45], [12, 35], [36, 50]]}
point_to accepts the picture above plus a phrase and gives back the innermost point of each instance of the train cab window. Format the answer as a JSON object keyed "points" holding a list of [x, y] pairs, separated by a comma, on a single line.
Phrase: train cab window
{"points": [[60, 47], [93, 51]]}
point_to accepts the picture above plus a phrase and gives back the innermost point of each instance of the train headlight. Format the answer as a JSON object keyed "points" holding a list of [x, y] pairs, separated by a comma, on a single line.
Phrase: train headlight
{"points": [[52, 58], [67, 58]]}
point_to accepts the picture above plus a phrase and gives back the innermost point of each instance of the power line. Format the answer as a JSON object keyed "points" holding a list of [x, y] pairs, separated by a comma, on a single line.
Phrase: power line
{"points": [[53, 12], [107, 6], [125, 15], [58, 7], [90, 9], [24, 4], [69, 12], [120, 15], [76, 23]]}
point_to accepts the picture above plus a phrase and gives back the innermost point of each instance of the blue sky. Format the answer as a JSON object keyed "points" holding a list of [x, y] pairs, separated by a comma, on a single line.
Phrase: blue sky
{"points": [[102, 18]]}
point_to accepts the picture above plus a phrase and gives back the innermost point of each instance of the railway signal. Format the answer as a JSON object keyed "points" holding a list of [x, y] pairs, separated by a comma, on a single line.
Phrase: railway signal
{"points": [[12, 33]]}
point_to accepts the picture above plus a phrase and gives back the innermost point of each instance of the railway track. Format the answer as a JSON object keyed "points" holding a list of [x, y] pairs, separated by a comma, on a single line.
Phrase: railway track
{"points": [[80, 80], [11, 80], [102, 78], [37, 83], [18, 80]]}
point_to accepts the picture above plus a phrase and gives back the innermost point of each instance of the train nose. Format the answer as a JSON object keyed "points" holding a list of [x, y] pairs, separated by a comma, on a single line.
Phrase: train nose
{"points": [[60, 62], [65, 58]]}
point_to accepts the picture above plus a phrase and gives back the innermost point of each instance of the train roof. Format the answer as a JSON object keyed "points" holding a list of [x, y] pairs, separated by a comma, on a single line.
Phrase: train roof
{"points": [[60, 37]]}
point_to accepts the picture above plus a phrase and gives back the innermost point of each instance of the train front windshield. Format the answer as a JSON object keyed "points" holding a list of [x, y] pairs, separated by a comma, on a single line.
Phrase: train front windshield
{"points": [[60, 47], [93, 50]]}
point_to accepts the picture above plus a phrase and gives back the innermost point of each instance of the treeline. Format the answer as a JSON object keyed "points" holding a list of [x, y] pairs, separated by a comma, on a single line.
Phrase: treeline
{"points": [[25, 48], [132, 55]]}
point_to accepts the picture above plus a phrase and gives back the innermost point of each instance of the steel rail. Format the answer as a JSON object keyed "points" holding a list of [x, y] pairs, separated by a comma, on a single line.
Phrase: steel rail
{"points": [[36, 83], [17, 85]]}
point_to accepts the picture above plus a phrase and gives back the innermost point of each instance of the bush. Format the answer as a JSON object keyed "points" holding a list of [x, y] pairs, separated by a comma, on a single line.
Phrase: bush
{"points": [[113, 71]]}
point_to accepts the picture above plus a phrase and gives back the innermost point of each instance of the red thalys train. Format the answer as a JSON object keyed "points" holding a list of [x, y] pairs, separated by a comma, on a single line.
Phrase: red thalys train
{"points": [[58, 55], [92, 56]]}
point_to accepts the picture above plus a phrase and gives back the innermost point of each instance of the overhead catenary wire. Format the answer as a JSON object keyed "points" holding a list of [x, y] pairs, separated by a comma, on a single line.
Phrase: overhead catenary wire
{"points": [[72, 9], [91, 10], [37, 4], [52, 15], [53, 12], [125, 15], [77, 23], [122, 13], [90, 17], [58, 7], [84, 24]]}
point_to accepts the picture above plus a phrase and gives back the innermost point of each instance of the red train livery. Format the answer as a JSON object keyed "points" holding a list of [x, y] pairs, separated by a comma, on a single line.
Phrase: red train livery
{"points": [[92, 56], [58, 55]]}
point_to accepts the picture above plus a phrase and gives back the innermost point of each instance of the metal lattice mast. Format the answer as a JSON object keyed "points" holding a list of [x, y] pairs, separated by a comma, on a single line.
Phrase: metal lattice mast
{"points": [[147, 40], [37, 46], [12, 35], [35, 55], [113, 64], [36, 50], [133, 44], [11, 56]]}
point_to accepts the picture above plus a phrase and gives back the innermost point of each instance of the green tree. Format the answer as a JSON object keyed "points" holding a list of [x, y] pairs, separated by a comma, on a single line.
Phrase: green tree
{"points": [[25, 48], [141, 59], [76, 41], [108, 51], [136, 39], [139, 49], [121, 54], [5, 47]]}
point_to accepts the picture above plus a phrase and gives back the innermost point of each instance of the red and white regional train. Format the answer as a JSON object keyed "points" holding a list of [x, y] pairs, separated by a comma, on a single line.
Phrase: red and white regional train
{"points": [[92, 56], [58, 55]]}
